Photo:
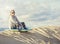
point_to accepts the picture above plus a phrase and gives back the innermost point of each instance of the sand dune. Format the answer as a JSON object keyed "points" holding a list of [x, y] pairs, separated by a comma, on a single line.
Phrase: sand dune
{"points": [[40, 35]]}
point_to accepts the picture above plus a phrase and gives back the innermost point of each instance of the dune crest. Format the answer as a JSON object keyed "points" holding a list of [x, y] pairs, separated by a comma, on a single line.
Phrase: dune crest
{"points": [[39, 35]]}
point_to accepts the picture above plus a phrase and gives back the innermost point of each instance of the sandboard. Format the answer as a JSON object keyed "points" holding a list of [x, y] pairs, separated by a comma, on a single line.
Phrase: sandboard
{"points": [[25, 29], [22, 30]]}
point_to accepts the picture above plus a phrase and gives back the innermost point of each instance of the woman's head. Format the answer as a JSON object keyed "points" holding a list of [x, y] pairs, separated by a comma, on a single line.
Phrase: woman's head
{"points": [[12, 12]]}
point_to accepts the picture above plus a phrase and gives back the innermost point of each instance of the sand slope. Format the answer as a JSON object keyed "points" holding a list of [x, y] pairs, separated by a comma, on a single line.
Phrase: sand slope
{"points": [[40, 35]]}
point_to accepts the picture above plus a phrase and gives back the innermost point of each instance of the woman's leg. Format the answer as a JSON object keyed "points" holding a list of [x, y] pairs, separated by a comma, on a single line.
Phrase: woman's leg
{"points": [[19, 27], [23, 24]]}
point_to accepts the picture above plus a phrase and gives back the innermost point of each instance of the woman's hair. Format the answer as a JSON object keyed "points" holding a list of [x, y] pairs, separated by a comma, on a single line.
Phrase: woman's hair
{"points": [[12, 12]]}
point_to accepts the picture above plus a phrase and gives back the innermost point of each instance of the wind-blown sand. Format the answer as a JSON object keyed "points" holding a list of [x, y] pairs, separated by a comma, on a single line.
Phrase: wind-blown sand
{"points": [[40, 35]]}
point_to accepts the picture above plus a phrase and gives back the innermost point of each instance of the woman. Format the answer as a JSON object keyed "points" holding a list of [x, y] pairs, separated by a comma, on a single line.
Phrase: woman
{"points": [[13, 21]]}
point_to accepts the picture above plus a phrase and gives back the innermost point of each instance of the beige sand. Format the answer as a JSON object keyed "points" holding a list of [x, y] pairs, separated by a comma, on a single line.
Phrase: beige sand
{"points": [[40, 35]]}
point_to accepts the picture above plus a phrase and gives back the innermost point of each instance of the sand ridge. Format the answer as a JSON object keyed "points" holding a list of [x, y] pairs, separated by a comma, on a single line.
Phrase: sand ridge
{"points": [[39, 35]]}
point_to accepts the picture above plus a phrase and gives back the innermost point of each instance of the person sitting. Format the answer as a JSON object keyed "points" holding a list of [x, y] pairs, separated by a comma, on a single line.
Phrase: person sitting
{"points": [[14, 23]]}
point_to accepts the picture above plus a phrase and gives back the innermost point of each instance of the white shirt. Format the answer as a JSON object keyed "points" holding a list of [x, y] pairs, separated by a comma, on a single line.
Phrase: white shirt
{"points": [[13, 20]]}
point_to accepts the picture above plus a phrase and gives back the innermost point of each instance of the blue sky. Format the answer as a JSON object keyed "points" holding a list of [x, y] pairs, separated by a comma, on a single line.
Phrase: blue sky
{"points": [[34, 13]]}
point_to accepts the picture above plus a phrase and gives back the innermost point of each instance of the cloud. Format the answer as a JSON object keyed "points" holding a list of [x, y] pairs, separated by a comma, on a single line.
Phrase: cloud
{"points": [[34, 12]]}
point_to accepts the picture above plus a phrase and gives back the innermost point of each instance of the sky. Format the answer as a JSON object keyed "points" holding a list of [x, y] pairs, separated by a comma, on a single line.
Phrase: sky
{"points": [[34, 13]]}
